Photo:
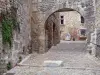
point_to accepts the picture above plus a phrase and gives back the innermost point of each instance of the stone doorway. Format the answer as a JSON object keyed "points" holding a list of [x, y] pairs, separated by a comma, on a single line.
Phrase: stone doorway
{"points": [[54, 28]]}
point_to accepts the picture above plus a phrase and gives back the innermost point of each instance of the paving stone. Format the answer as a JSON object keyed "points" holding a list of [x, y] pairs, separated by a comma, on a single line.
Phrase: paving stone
{"points": [[53, 63], [74, 59]]}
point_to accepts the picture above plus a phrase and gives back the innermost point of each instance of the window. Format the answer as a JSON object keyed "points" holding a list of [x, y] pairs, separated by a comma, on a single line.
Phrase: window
{"points": [[82, 19], [83, 32], [62, 19]]}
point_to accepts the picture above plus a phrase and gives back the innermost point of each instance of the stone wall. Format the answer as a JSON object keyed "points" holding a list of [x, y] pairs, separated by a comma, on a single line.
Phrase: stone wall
{"points": [[72, 22], [97, 13], [21, 37], [3, 68], [37, 27], [96, 36], [2, 60]]}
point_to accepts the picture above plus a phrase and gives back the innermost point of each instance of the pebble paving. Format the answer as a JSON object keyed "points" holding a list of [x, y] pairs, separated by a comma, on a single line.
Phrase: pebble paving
{"points": [[75, 59]]}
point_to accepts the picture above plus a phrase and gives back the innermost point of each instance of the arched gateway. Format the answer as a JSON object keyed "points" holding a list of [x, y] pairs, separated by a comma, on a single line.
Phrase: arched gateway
{"points": [[46, 8]]}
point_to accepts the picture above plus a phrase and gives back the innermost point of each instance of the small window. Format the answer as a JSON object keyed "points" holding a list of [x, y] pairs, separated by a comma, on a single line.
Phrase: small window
{"points": [[83, 32], [62, 21], [82, 19]]}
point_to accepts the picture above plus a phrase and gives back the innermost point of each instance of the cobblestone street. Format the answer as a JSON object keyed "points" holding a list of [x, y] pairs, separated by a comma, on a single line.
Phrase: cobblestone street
{"points": [[73, 54]]}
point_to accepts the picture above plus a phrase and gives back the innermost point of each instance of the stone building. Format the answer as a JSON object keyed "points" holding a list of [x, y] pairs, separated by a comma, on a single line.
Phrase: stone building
{"points": [[39, 28], [71, 25]]}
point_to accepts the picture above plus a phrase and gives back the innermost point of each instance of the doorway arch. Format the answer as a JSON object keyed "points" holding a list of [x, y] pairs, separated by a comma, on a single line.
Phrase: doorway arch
{"points": [[52, 28], [46, 9], [51, 32]]}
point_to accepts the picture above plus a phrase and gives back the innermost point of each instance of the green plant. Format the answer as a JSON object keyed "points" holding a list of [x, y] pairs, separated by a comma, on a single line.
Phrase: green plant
{"points": [[20, 59], [9, 23], [7, 26], [9, 66]]}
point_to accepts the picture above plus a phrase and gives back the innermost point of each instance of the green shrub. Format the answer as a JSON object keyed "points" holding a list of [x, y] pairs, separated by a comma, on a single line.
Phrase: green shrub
{"points": [[9, 23], [9, 66], [20, 59], [7, 31]]}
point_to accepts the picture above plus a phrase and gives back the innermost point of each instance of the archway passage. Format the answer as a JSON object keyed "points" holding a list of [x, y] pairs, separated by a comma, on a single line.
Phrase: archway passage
{"points": [[52, 31], [64, 24]]}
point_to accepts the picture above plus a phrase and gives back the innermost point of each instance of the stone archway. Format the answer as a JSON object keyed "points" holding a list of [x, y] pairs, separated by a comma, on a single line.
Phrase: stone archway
{"points": [[44, 9], [52, 28]]}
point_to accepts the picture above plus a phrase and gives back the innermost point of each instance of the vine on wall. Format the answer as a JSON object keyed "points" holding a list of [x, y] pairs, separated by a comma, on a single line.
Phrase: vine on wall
{"points": [[7, 26], [9, 23]]}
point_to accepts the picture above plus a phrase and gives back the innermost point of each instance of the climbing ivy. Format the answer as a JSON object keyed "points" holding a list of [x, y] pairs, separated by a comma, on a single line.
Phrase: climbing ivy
{"points": [[9, 23], [7, 28]]}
